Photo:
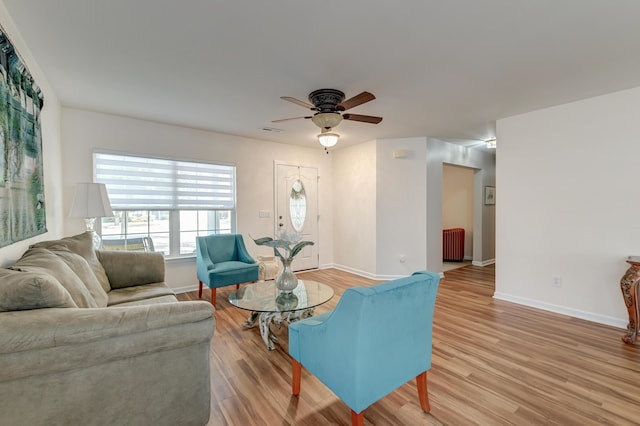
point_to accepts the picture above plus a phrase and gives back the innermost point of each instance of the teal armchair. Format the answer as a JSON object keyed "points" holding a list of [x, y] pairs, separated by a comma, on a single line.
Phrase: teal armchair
{"points": [[222, 260], [374, 341]]}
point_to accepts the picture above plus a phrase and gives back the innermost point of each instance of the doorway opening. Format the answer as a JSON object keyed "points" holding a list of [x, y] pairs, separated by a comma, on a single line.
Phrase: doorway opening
{"points": [[457, 215]]}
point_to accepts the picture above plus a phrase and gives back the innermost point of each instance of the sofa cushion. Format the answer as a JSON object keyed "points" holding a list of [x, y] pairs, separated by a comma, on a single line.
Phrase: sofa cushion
{"points": [[26, 290], [41, 260], [139, 292], [83, 270], [150, 301], [127, 268], [81, 244]]}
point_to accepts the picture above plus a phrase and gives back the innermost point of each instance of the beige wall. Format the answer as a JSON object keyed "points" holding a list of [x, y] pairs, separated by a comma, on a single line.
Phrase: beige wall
{"points": [[379, 208], [354, 208], [50, 145], [401, 206], [457, 203]]}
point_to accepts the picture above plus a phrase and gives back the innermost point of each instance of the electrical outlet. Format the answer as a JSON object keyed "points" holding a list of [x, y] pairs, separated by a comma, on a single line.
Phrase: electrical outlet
{"points": [[402, 258], [557, 282]]}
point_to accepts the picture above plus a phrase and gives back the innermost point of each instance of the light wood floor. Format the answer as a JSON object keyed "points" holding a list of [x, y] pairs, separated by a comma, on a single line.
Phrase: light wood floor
{"points": [[494, 363]]}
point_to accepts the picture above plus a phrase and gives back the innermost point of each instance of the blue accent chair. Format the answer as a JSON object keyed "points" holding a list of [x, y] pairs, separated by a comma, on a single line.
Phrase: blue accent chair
{"points": [[374, 341], [222, 260]]}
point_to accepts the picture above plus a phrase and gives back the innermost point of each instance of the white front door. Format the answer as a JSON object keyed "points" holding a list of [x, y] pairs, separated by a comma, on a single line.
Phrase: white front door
{"points": [[297, 209]]}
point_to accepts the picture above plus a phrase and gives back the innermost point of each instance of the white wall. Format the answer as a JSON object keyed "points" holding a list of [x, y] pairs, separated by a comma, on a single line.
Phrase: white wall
{"points": [[438, 154], [354, 208], [401, 206], [568, 205], [388, 211], [457, 203], [50, 125], [380, 208], [84, 131]]}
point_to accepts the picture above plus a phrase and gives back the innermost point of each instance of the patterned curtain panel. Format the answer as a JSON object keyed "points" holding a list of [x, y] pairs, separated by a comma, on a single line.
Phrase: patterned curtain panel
{"points": [[22, 207]]}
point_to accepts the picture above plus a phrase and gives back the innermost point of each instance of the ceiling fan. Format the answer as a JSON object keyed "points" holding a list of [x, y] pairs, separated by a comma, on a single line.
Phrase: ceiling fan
{"points": [[328, 105]]}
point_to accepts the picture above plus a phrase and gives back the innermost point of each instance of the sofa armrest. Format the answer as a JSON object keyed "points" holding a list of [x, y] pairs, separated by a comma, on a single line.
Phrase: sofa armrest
{"points": [[132, 268], [47, 328], [40, 341]]}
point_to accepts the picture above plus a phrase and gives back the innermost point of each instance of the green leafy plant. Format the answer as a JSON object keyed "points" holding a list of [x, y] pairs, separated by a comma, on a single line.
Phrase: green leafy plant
{"points": [[289, 242]]}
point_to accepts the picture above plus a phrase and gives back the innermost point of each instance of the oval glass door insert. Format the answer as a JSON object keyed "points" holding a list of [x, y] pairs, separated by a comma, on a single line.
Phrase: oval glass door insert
{"points": [[298, 205]]}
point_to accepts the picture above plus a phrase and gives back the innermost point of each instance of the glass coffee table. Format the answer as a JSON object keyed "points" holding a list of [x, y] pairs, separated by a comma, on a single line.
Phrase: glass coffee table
{"points": [[268, 306]]}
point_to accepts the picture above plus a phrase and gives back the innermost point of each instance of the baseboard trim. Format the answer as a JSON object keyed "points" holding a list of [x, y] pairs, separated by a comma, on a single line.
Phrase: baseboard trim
{"points": [[185, 289], [588, 316], [364, 274], [576, 313], [188, 288], [483, 262]]}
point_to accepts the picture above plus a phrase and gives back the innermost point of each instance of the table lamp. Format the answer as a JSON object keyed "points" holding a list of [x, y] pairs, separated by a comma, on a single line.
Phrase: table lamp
{"points": [[90, 202]]}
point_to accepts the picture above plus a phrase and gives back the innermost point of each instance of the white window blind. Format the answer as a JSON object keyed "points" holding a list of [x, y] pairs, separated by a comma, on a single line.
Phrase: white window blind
{"points": [[141, 183]]}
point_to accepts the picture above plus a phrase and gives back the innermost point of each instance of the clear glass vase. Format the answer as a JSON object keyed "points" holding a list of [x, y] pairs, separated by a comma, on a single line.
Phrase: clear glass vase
{"points": [[286, 301], [286, 281]]}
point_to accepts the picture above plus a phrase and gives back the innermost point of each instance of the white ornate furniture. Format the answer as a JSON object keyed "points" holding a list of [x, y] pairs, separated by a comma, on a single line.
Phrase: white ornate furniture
{"points": [[267, 308]]}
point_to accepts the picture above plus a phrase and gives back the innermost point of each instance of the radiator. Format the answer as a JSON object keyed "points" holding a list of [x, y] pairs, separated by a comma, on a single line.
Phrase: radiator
{"points": [[453, 244]]}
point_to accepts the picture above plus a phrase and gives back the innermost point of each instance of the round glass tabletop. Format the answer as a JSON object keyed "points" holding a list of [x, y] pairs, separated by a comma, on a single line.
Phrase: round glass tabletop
{"points": [[264, 297]]}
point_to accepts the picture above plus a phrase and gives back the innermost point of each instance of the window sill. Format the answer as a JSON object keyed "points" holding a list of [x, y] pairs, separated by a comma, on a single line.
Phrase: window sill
{"points": [[181, 259]]}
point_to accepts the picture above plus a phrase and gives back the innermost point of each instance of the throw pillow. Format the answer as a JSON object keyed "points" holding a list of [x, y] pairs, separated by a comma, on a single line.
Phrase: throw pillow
{"points": [[81, 244], [42, 261], [25, 290], [82, 269]]}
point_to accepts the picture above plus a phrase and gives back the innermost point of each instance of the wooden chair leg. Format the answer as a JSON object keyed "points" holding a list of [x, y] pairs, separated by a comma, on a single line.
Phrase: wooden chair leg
{"points": [[213, 297], [423, 394], [200, 289], [357, 419], [296, 375]]}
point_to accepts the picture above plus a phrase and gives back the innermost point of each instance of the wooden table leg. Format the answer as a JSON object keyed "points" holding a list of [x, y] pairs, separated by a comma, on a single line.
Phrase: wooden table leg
{"points": [[629, 287]]}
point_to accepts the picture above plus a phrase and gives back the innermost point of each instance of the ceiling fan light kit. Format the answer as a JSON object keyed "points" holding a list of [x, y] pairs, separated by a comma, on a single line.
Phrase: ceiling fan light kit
{"points": [[326, 120], [328, 139], [328, 104]]}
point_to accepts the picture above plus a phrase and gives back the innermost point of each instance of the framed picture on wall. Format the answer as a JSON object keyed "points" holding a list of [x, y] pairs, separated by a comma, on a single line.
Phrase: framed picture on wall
{"points": [[22, 204], [489, 195]]}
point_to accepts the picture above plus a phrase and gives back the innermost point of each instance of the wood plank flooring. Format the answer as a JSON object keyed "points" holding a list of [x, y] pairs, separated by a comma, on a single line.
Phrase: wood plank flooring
{"points": [[494, 363]]}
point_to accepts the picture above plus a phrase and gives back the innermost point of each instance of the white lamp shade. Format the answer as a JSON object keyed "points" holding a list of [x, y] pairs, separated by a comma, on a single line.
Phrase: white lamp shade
{"points": [[90, 201], [328, 139]]}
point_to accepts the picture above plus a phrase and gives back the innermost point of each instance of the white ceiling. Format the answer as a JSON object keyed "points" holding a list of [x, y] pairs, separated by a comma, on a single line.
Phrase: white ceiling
{"points": [[438, 68]]}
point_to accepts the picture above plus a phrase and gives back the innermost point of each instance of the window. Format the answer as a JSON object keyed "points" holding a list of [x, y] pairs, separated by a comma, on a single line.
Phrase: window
{"points": [[163, 205]]}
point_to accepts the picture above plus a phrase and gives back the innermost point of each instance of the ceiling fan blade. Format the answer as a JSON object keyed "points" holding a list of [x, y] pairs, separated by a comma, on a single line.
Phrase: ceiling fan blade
{"points": [[363, 118], [355, 101], [287, 119], [297, 102]]}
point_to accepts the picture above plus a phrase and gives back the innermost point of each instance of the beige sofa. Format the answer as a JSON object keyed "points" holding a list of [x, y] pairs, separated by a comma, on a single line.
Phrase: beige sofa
{"points": [[98, 338]]}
